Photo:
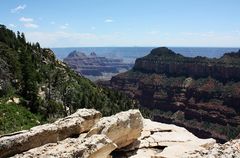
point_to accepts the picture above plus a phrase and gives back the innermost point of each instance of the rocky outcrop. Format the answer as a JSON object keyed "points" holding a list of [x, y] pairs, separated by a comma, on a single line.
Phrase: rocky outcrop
{"points": [[168, 88], [96, 146], [73, 125], [124, 135], [94, 67], [163, 140], [228, 150], [61, 139], [122, 129]]}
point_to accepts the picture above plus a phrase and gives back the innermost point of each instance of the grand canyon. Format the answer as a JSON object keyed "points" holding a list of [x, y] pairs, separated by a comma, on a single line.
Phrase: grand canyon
{"points": [[201, 94], [120, 79]]}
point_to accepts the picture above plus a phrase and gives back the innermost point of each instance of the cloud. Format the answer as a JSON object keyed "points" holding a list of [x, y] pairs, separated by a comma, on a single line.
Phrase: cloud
{"points": [[52, 22], [65, 26], [28, 22], [12, 25], [30, 25], [153, 32], [61, 38], [23, 19], [65, 38], [206, 39], [109, 21], [93, 28], [201, 34], [238, 32], [18, 8]]}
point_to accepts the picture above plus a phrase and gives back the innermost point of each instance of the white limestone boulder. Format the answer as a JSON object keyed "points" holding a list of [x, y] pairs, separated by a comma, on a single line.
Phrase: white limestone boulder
{"points": [[122, 128], [96, 146]]}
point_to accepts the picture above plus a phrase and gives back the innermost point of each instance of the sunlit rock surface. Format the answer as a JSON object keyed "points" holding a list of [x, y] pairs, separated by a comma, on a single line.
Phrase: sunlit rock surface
{"points": [[124, 135]]}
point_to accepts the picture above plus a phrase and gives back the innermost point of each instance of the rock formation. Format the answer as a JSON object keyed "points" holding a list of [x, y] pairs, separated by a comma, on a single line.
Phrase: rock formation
{"points": [[94, 67], [201, 94], [124, 135], [227, 150], [122, 129], [163, 140], [96, 146], [163, 60], [77, 123]]}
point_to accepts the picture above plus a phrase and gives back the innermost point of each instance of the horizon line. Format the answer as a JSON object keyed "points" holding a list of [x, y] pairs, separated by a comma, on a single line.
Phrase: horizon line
{"points": [[147, 47]]}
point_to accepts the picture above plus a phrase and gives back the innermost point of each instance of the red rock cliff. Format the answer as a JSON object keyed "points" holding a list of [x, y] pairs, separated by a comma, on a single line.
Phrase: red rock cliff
{"points": [[199, 93]]}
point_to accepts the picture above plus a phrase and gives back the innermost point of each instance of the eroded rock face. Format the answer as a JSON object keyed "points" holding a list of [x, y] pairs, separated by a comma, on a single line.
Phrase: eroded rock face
{"points": [[200, 94], [122, 128], [96, 146], [77, 123], [163, 60]]}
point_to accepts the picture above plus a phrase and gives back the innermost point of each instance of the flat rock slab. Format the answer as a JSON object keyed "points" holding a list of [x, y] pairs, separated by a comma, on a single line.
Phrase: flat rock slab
{"points": [[164, 140], [96, 146]]}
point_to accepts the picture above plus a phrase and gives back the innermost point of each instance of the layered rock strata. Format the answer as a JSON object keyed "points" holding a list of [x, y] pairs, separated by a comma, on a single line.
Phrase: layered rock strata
{"points": [[95, 67], [163, 60], [200, 94]]}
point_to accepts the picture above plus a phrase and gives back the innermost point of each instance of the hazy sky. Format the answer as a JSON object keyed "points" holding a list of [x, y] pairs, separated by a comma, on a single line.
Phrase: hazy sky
{"points": [[65, 23]]}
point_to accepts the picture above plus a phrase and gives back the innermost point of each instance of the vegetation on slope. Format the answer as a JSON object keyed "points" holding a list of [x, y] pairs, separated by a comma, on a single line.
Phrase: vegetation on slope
{"points": [[46, 86], [15, 117]]}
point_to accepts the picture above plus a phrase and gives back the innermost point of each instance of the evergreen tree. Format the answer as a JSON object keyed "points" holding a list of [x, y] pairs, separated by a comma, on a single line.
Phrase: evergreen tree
{"points": [[29, 89]]}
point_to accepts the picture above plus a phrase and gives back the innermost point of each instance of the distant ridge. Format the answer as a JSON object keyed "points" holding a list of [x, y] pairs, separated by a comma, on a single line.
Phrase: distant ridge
{"points": [[95, 67], [76, 54]]}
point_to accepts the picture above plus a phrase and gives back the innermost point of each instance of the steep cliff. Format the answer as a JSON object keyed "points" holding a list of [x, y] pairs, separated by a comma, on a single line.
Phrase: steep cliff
{"points": [[163, 60], [198, 93]]}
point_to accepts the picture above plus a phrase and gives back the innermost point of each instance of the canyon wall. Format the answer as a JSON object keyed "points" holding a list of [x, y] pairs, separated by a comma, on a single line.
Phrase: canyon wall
{"points": [[200, 93]]}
